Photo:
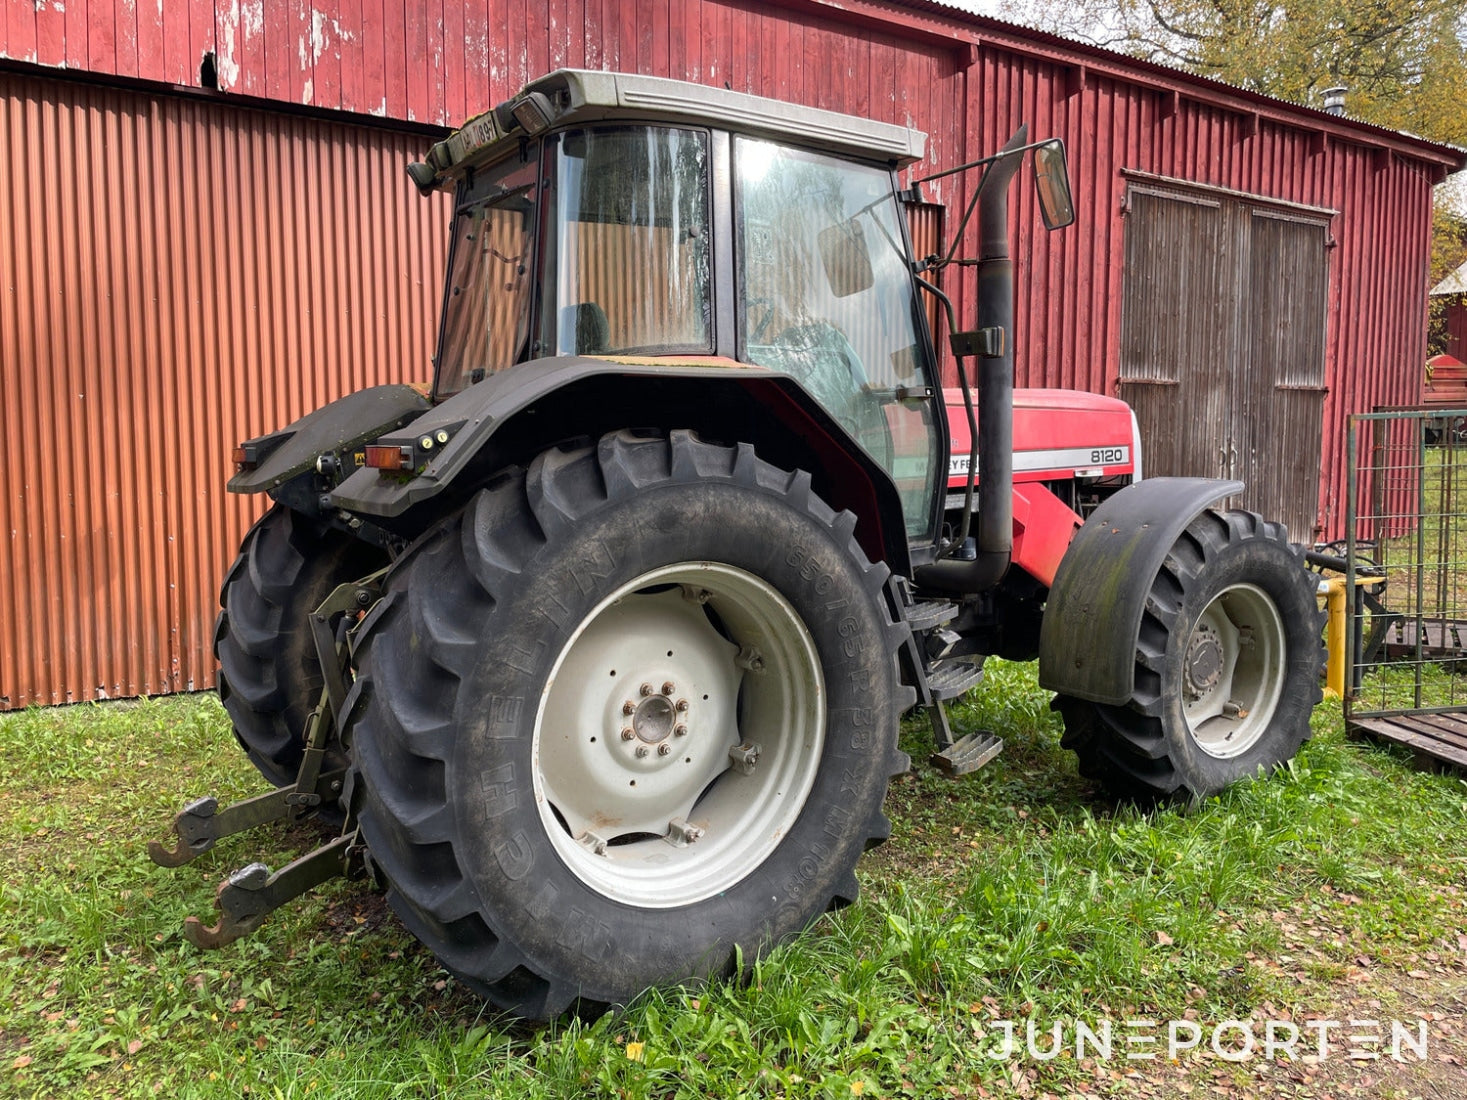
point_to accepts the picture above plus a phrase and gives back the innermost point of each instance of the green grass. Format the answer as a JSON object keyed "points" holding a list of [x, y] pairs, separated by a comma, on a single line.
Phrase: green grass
{"points": [[1018, 890]]}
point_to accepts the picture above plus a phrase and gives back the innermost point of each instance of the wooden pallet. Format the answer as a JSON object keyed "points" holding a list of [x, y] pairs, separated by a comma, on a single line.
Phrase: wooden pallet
{"points": [[1432, 737], [1439, 638]]}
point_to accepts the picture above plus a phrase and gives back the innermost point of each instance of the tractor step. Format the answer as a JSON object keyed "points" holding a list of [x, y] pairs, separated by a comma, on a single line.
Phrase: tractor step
{"points": [[949, 679], [968, 754], [930, 614]]}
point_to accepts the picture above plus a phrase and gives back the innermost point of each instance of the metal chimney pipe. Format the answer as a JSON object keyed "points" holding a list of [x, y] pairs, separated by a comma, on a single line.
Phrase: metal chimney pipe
{"points": [[995, 392], [1334, 100]]}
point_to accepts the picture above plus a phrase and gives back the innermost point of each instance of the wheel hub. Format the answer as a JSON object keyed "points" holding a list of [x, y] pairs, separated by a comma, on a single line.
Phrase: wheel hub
{"points": [[1204, 662], [1233, 671], [653, 719]]}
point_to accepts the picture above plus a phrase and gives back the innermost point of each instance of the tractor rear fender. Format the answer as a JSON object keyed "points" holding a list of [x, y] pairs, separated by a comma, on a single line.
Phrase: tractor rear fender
{"points": [[343, 426], [1087, 641], [510, 417]]}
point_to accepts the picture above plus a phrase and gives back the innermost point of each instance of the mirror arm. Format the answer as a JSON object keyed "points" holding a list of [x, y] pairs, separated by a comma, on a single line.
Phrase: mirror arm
{"points": [[1000, 155], [968, 214]]}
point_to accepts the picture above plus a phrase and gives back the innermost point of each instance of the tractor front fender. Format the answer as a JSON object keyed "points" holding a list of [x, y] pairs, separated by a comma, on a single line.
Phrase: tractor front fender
{"points": [[510, 417], [1087, 641]]}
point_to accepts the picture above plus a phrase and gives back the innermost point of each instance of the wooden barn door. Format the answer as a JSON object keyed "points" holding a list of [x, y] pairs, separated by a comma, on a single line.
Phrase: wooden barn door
{"points": [[1223, 343]]}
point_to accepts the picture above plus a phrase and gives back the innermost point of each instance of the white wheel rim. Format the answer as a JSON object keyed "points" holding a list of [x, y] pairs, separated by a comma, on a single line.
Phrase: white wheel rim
{"points": [[639, 750], [1233, 672]]}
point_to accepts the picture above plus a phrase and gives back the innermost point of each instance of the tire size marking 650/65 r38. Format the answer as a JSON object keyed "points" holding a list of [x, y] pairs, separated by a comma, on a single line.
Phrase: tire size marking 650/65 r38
{"points": [[800, 558]]}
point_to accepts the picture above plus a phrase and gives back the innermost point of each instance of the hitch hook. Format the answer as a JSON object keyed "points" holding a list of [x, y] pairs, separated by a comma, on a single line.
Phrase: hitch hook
{"points": [[252, 893]]}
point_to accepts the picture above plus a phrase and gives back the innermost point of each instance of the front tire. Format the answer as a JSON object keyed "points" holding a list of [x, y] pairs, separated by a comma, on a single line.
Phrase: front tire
{"points": [[629, 714], [1227, 668]]}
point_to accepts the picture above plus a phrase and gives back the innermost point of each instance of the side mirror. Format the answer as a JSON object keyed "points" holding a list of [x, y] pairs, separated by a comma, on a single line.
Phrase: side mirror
{"points": [[845, 256], [1052, 185]]}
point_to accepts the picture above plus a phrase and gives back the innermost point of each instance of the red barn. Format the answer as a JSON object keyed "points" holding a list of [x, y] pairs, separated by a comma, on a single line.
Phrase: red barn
{"points": [[1452, 294], [208, 232]]}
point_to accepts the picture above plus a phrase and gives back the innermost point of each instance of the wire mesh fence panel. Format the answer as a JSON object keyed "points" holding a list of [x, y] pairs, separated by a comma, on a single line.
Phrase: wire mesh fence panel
{"points": [[1406, 547]]}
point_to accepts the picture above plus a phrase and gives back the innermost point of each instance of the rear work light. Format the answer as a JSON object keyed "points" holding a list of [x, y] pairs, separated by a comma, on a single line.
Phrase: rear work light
{"points": [[390, 458]]}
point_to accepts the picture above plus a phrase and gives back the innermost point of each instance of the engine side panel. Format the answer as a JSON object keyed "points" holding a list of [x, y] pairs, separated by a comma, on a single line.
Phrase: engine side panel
{"points": [[1043, 528]]}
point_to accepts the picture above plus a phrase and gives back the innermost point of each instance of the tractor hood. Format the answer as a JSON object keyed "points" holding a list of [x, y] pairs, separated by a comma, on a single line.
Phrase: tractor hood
{"points": [[1058, 434]]}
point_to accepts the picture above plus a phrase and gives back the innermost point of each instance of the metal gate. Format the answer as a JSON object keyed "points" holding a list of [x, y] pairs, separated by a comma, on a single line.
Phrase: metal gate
{"points": [[1406, 553]]}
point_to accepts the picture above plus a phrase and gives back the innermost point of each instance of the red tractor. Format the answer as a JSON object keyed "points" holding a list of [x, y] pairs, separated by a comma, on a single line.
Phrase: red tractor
{"points": [[597, 647]]}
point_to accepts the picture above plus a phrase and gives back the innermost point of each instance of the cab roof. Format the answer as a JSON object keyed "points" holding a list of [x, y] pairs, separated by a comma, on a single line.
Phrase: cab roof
{"points": [[569, 96]]}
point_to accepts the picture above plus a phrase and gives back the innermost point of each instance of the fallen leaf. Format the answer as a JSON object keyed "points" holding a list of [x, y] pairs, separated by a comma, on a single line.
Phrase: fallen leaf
{"points": [[134, 1046], [1163, 939], [21, 1061]]}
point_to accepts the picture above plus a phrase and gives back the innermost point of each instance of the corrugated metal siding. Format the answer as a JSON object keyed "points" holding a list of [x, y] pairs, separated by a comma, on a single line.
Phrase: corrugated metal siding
{"points": [[967, 82], [177, 276], [438, 63]]}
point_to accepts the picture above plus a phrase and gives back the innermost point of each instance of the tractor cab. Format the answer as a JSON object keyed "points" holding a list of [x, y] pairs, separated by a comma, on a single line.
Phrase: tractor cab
{"points": [[602, 215]]}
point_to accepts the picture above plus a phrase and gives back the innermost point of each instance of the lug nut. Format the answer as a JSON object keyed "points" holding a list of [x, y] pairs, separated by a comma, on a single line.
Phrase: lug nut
{"points": [[627, 734], [663, 749], [682, 704], [629, 707], [668, 688], [680, 731], [641, 751], [645, 689]]}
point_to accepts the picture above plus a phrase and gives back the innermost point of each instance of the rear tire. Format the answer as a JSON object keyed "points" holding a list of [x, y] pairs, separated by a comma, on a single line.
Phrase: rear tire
{"points": [[269, 677], [1227, 668], [512, 712]]}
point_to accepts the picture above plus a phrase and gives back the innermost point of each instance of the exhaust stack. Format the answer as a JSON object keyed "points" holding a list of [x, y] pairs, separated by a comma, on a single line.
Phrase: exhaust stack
{"points": [[994, 347]]}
